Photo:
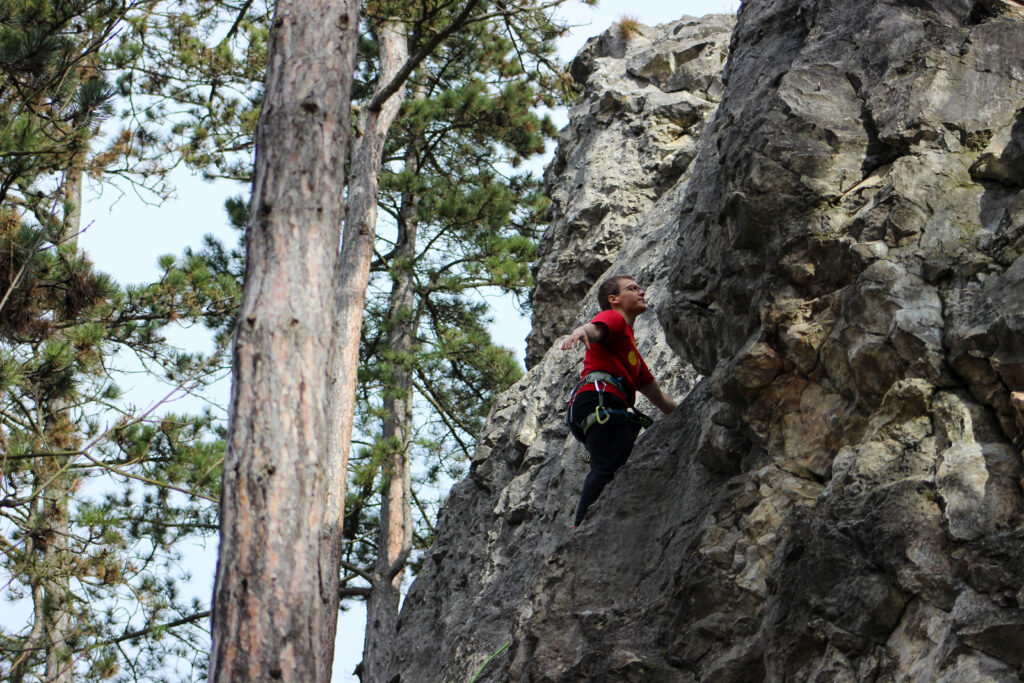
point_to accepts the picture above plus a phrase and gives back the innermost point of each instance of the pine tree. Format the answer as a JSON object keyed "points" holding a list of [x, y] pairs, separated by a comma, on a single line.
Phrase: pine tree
{"points": [[276, 582], [97, 494], [461, 225], [50, 100], [435, 32], [91, 514], [190, 75]]}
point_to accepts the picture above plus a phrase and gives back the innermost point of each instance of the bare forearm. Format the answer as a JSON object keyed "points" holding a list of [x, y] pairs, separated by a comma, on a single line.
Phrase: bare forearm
{"points": [[586, 333], [658, 397]]}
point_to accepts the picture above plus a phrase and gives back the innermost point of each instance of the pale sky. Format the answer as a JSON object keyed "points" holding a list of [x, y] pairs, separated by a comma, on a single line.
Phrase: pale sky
{"points": [[125, 240]]}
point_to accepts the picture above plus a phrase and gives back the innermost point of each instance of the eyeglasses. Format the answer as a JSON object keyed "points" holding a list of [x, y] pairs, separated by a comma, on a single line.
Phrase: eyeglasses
{"points": [[633, 288]]}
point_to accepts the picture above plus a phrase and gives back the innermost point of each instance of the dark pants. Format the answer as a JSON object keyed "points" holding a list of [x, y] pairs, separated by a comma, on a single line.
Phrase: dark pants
{"points": [[609, 445]]}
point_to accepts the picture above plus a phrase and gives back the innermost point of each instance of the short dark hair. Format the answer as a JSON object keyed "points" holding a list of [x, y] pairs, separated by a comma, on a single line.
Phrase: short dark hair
{"points": [[608, 288]]}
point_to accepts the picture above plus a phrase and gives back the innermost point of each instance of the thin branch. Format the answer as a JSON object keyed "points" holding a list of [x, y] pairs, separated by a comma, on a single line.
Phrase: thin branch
{"points": [[423, 512], [141, 632], [353, 592], [147, 480], [356, 569], [140, 418], [127, 636], [426, 390], [238, 22]]}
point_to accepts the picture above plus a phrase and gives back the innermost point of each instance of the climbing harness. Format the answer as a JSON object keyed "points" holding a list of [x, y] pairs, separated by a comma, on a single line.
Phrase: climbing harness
{"points": [[600, 380], [601, 414]]}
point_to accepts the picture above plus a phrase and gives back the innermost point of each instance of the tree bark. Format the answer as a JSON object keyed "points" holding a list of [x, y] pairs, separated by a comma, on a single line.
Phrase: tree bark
{"points": [[395, 541], [275, 598], [52, 596], [56, 600], [353, 272]]}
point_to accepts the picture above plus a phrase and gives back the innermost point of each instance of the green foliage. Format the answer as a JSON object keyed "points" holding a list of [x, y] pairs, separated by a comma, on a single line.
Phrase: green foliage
{"points": [[466, 226], [99, 495], [191, 74], [52, 95]]}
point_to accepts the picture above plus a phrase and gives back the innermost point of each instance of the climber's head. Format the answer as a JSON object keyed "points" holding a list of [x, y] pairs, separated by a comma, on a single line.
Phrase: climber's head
{"points": [[623, 294]]}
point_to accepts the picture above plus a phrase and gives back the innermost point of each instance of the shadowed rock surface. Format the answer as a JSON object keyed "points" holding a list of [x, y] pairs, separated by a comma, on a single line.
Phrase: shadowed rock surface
{"points": [[838, 253]]}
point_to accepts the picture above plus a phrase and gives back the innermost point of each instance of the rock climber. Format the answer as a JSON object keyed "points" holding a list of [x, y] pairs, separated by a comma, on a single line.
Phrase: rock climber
{"points": [[600, 412]]}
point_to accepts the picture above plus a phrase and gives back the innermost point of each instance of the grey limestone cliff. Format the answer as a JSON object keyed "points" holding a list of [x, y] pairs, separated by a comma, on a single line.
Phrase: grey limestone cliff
{"points": [[836, 259], [631, 138]]}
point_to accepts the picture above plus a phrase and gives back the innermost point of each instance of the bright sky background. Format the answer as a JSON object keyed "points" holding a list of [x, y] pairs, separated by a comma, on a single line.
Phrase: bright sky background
{"points": [[125, 236]]}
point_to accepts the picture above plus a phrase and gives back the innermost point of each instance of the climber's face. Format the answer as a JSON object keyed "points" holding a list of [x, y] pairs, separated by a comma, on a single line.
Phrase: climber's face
{"points": [[631, 299]]}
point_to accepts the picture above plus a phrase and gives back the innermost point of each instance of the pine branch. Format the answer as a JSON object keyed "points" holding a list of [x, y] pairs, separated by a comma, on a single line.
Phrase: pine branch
{"points": [[359, 571], [192, 618], [427, 391], [16, 280], [406, 70], [423, 512], [238, 22], [129, 475], [47, 454], [354, 592]]}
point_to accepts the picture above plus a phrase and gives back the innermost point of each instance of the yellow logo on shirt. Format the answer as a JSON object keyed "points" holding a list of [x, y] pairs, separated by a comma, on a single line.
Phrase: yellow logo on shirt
{"points": [[632, 357]]}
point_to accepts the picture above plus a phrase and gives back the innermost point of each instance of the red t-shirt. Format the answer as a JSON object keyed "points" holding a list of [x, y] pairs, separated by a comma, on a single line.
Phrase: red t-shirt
{"points": [[617, 355]]}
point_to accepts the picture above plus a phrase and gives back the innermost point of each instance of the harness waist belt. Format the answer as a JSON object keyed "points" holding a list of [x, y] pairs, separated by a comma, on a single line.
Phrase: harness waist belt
{"points": [[602, 414], [602, 376], [634, 417]]}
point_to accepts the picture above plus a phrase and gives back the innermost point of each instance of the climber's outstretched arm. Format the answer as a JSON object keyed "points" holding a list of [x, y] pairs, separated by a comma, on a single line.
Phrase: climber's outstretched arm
{"points": [[586, 333]]}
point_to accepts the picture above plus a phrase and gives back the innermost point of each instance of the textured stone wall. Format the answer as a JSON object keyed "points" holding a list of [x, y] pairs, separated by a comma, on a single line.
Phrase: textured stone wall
{"points": [[850, 279], [631, 138], [839, 254]]}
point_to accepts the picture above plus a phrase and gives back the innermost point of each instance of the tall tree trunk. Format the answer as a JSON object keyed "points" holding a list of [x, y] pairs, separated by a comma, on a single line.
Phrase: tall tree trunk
{"points": [[395, 540], [353, 273], [275, 598], [48, 546], [52, 596], [56, 598]]}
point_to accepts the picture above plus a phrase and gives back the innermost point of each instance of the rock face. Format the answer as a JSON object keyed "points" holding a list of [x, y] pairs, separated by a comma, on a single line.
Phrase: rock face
{"points": [[632, 137], [840, 255]]}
